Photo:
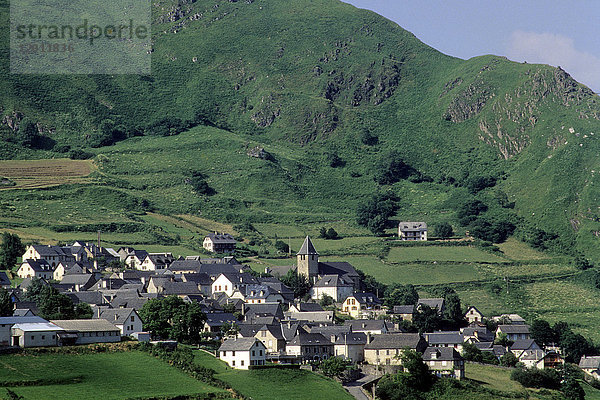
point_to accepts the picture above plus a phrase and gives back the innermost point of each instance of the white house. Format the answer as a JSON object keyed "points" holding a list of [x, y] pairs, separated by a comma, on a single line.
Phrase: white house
{"points": [[126, 319], [334, 286], [240, 353], [154, 261], [412, 231], [230, 282], [219, 243], [86, 331], [35, 269], [473, 315], [51, 254]]}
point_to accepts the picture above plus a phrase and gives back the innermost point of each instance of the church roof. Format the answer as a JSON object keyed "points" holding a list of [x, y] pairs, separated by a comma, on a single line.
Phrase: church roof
{"points": [[307, 248]]}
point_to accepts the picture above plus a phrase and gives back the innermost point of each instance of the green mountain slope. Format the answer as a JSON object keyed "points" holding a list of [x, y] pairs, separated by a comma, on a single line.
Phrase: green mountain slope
{"points": [[328, 90]]}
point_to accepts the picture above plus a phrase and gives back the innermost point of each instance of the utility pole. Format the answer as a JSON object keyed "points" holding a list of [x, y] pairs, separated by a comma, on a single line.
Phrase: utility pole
{"points": [[506, 279], [289, 247]]}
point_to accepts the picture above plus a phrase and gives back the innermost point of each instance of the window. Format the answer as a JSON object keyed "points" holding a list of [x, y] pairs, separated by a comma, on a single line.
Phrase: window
{"points": [[387, 352], [263, 334], [233, 353], [260, 353], [253, 353], [223, 353], [444, 363], [43, 337], [242, 363], [233, 363], [132, 318], [32, 337]]}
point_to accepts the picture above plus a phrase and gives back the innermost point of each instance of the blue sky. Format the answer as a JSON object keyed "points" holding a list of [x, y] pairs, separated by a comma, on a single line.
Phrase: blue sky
{"points": [[564, 33]]}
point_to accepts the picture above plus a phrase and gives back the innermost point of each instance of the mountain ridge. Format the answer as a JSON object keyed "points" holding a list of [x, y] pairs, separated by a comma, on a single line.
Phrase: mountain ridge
{"points": [[315, 78]]}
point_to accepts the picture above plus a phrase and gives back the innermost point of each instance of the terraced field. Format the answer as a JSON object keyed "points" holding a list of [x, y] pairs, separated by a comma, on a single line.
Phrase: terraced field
{"points": [[32, 174]]}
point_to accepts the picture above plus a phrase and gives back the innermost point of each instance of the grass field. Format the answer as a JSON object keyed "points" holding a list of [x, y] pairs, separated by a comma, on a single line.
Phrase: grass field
{"points": [[273, 384], [493, 377], [31, 174], [441, 253], [99, 376]]}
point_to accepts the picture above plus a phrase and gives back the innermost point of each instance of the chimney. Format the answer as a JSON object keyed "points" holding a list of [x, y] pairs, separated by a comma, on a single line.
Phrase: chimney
{"points": [[369, 338]]}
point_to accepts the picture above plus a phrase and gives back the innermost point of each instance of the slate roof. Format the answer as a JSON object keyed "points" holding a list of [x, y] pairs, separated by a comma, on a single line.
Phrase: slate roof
{"points": [[514, 329], [337, 268], [412, 226], [240, 278], [197, 278], [239, 344], [351, 338], [366, 298], [361, 325], [309, 339], [403, 309], [332, 281], [263, 309], [221, 238], [218, 319], [116, 315], [38, 265], [25, 283], [4, 281], [395, 341], [307, 248], [310, 307], [85, 325], [444, 338], [589, 362], [248, 330], [524, 344], [78, 279], [329, 330], [180, 288], [433, 303], [89, 297], [441, 354], [46, 251], [22, 312]]}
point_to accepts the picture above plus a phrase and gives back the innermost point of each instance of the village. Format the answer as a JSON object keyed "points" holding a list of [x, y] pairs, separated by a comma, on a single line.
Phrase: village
{"points": [[256, 319]]}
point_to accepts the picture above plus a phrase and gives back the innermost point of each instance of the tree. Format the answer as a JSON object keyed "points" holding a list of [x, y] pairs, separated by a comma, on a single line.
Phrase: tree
{"points": [[199, 184], [334, 366], [472, 353], [281, 246], [229, 328], [453, 311], [370, 284], [55, 305], [11, 248], [375, 212], [417, 372], [331, 234], [6, 304], [468, 211], [502, 340], [478, 183], [443, 230], [399, 295], [391, 169], [298, 283], [427, 319], [229, 308], [508, 360], [367, 138], [542, 333], [326, 300], [83, 311], [172, 318]]}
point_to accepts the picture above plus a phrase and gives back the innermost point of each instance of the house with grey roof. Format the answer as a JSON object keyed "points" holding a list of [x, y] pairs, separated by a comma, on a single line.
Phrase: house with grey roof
{"points": [[335, 286], [219, 243], [78, 282], [240, 353], [433, 303], [214, 321], [453, 339], [349, 345], [473, 315], [257, 294], [154, 261], [362, 305], [126, 319], [231, 282], [405, 312], [310, 347], [514, 332], [387, 349], [412, 231], [445, 362], [51, 254], [590, 365], [31, 268], [371, 326]]}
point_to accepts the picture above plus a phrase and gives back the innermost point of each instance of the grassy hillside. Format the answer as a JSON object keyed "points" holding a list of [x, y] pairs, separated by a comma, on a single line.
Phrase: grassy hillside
{"points": [[96, 376], [328, 91]]}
